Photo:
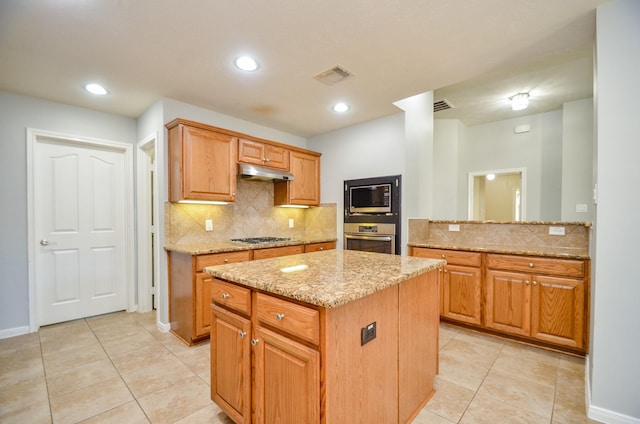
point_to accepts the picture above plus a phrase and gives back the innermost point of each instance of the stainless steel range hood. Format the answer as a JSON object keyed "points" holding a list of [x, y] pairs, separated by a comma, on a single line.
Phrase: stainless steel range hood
{"points": [[260, 173]]}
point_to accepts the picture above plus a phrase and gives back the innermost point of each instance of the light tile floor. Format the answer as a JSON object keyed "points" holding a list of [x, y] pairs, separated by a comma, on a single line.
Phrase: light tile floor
{"points": [[119, 368]]}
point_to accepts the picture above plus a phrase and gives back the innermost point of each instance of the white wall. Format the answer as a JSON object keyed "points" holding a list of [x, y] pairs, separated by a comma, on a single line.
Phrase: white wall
{"points": [[495, 146], [17, 113], [577, 160], [614, 377], [448, 190], [373, 149]]}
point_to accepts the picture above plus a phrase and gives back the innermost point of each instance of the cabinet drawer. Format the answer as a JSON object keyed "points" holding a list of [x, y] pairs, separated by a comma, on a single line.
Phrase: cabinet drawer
{"points": [[289, 317], [232, 296], [274, 252], [537, 265], [314, 247], [203, 261], [453, 257]]}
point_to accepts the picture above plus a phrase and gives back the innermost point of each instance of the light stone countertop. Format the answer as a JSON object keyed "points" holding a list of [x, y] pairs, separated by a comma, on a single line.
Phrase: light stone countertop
{"points": [[230, 246], [328, 278], [546, 251]]}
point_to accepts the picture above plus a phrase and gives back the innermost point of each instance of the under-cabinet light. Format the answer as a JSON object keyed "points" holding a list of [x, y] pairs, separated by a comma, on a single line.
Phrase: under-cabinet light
{"points": [[203, 202], [294, 206]]}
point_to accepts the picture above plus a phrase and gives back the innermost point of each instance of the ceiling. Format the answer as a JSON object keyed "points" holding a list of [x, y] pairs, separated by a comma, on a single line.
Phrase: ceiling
{"points": [[475, 54]]}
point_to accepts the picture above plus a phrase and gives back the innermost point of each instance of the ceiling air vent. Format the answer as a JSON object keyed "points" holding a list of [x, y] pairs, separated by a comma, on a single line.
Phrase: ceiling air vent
{"points": [[441, 105], [333, 75]]}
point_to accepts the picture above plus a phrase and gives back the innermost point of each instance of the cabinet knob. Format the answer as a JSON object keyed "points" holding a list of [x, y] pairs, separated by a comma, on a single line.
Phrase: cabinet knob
{"points": [[322, 248], [266, 159], [254, 341], [530, 264], [242, 334], [225, 296], [279, 317], [535, 283], [446, 270], [442, 256], [526, 283], [226, 260]]}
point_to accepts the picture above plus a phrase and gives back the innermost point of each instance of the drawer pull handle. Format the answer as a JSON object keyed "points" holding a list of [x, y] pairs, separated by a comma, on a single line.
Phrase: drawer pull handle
{"points": [[226, 260], [242, 334], [279, 317], [442, 256], [254, 341], [225, 296], [446, 270], [530, 264], [535, 283], [526, 283], [322, 248]]}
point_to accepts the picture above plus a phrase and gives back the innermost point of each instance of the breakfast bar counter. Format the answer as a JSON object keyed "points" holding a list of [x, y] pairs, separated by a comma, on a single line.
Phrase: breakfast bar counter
{"points": [[333, 336]]}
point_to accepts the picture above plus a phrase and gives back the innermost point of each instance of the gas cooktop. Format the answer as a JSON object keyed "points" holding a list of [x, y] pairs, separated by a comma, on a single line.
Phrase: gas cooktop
{"points": [[261, 240]]}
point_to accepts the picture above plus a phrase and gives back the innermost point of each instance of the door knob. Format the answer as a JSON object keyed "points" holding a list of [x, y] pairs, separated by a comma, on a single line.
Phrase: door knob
{"points": [[44, 242]]}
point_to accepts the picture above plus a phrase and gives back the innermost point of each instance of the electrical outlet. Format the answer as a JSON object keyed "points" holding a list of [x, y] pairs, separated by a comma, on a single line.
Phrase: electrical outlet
{"points": [[454, 227], [367, 333], [556, 231], [290, 222], [581, 208], [208, 224]]}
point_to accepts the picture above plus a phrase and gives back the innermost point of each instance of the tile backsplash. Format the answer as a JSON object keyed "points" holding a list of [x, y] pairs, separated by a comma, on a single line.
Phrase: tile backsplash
{"points": [[252, 215]]}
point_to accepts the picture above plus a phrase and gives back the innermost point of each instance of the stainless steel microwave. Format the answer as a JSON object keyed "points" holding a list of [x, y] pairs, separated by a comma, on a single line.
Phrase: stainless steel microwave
{"points": [[371, 198]]}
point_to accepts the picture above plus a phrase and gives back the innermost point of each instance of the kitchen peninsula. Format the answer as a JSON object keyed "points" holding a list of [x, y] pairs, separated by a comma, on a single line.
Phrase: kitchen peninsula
{"points": [[333, 336]]}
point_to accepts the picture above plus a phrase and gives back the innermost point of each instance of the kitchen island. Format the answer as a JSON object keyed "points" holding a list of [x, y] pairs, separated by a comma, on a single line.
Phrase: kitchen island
{"points": [[333, 337]]}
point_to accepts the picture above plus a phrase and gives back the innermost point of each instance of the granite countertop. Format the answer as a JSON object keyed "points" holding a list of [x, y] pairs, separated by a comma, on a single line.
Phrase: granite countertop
{"points": [[546, 251], [230, 246], [328, 278]]}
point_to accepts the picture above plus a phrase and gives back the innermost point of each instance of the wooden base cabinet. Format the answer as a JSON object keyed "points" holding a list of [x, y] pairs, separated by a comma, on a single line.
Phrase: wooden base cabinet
{"points": [[308, 364], [461, 288], [548, 304]]}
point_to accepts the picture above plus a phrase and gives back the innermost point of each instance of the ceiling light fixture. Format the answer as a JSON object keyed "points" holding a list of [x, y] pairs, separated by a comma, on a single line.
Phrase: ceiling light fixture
{"points": [[247, 63], [520, 101], [96, 89], [340, 107]]}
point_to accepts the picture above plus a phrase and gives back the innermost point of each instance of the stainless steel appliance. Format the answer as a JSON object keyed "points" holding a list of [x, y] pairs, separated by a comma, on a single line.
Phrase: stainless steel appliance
{"points": [[370, 198], [370, 237]]}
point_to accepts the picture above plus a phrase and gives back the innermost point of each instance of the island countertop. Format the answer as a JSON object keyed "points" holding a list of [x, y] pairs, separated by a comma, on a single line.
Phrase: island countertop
{"points": [[328, 278]]}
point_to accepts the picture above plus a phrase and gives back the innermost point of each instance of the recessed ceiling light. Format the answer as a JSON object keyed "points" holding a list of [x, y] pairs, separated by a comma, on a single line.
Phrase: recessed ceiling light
{"points": [[520, 101], [246, 63], [340, 107], [96, 89]]}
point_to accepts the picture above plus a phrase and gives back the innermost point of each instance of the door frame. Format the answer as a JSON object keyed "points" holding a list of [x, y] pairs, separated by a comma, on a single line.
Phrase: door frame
{"points": [[33, 137], [144, 207], [523, 188]]}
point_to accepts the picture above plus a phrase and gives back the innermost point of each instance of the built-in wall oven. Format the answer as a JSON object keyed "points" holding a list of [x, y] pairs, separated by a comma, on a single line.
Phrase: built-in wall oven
{"points": [[372, 214], [370, 237]]}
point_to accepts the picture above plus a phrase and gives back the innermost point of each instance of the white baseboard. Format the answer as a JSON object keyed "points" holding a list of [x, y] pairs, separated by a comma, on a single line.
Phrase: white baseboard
{"points": [[600, 414], [12, 332], [163, 327]]}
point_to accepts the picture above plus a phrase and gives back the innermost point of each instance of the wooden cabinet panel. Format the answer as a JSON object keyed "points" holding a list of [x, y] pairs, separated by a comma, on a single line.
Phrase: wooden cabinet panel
{"points": [[558, 308], [508, 307], [202, 303], [532, 264], [286, 381], [305, 189], [314, 247], [274, 252], [203, 261], [289, 317], [250, 151], [202, 164], [231, 363], [453, 257], [462, 294], [231, 296]]}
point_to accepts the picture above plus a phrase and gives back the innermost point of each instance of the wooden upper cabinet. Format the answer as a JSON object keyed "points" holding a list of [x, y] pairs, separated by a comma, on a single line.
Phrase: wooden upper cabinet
{"points": [[202, 163], [257, 153], [305, 189]]}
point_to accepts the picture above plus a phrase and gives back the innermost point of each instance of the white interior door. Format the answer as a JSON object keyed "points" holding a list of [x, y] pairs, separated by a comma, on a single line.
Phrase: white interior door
{"points": [[79, 217]]}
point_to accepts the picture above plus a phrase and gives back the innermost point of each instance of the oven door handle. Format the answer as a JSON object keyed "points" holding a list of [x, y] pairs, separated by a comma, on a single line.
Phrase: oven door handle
{"points": [[372, 238]]}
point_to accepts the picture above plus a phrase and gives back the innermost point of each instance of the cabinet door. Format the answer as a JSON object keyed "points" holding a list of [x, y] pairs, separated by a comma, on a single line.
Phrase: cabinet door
{"points": [[231, 364], [250, 151], [286, 381], [305, 189], [202, 304], [558, 310], [314, 247], [208, 165], [508, 306], [462, 294]]}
